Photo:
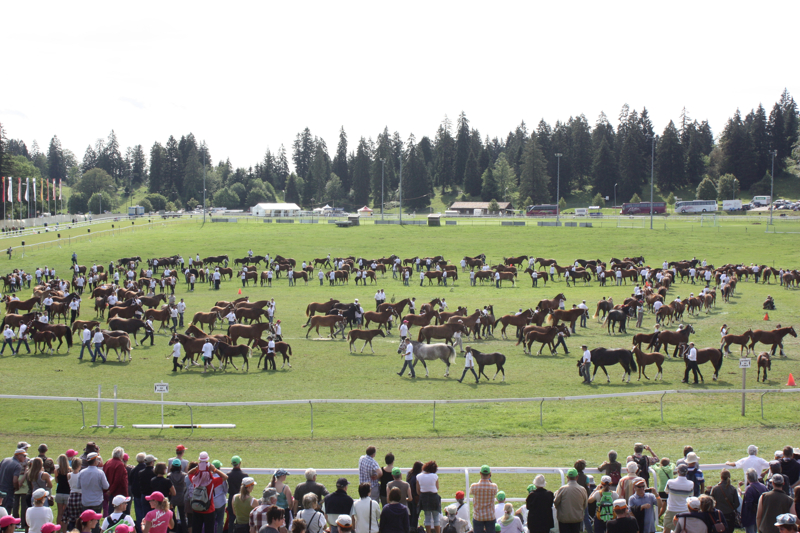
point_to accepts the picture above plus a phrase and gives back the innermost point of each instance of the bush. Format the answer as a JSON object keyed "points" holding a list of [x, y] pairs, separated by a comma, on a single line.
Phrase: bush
{"points": [[148, 207], [635, 199], [493, 206], [191, 204], [599, 200], [727, 187], [670, 199], [562, 204], [763, 186], [170, 207], [706, 190], [157, 201]]}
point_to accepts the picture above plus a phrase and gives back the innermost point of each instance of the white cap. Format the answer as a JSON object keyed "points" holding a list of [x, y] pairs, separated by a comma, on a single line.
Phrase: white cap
{"points": [[119, 499]]}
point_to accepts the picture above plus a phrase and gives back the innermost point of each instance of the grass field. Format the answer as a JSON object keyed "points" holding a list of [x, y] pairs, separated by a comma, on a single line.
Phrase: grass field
{"points": [[465, 434]]}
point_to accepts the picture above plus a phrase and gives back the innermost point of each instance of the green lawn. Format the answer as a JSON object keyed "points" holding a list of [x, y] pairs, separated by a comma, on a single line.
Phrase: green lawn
{"points": [[505, 434]]}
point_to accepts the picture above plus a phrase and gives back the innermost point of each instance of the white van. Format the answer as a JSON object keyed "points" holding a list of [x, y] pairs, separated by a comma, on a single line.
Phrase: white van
{"points": [[451, 213], [581, 211], [760, 201], [731, 205]]}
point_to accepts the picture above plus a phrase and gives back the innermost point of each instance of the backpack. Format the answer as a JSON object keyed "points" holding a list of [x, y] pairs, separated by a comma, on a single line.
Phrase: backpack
{"points": [[450, 527], [200, 500], [112, 524], [644, 467], [615, 477], [605, 507]]}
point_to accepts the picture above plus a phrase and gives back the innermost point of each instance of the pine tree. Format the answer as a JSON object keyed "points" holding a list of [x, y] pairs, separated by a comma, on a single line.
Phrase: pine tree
{"points": [[173, 169], [318, 174], [630, 166], [55, 161], [138, 166], [472, 177], [416, 181], [727, 187], [670, 165], [775, 132], [339, 166], [488, 185], [89, 159], [444, 156], [506, 179], [706, 190], [462, 149], [533, 180], [790, 122], [383, 173], [695, 166], [361, 190], [738, 153], [192, 177], [281, 169], [582, 153], [157, 163], [604, 168], [291, 194], [302, 153], [757, 126]]}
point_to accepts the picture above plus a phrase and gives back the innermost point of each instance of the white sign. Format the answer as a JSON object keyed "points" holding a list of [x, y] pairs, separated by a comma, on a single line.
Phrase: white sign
{"points": [[744, 362], [163, 388]]}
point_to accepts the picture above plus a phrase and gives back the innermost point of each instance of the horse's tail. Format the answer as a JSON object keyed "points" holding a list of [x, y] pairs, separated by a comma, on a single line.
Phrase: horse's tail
{"points": [[633, 363], [419, 335], [718, 364], [350, 335], [128, 346], [606, 319], [452, 358], [549, 318], [68, 335], [289, 348], [596, 311]]}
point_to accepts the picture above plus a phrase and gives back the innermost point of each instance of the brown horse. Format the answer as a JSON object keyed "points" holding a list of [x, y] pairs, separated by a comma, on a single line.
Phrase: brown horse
{"points": [[365, 335], [80, 324], [190, 345], [705, 355], [25, 305], [520, 320], [643, 359], [43, 337], [283, 347], [515, 260], [316, 307], [251, 332], [159, 315], [297, 274], [249, 314], [676, 338], [445, 332], [544, 305], [605, 306], [774, 337], [397, 306], [545, 262], [238, 301], [546, 337], [421, 320], [382, 319], [765, 363], [15, 320], [640, 338], [561, 328], [153, 301], [206, 318], [444, 316], [470, 322], [227, 352], [568, 316], [326, 321], [123, 311], [117, 340], [741, 340], [61, 331], [509, 276]]}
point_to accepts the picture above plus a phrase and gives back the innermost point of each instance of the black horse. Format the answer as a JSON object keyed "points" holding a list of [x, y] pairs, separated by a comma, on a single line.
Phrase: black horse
{"points": [[129, 325], [484, 359], [602, 357], [617, 316]]}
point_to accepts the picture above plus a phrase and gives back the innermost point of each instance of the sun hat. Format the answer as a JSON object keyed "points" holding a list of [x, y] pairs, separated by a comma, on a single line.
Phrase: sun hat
{"points": [[176, 462], [539, 481], [779, 454], [692, 458], [396, 471], [236, 460], [639, 482], [605, 480], [344, 522], [620, 504], [39, 494], [204, 456], [8, 520], [50, 527], [249, 481], [217, 463], [157, 496], [785, 519], [119, 499], [92, 455], [280, 472], [89, 515], [485, 470], [452, 509], [460, 495], [71, 453], [693, 503]]}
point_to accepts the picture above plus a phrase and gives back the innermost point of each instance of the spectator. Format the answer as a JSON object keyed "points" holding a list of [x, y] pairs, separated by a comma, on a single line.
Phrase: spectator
{"points": [[39, 514], [694, 474], [8, 524], [203, 476], [10, 469], [539, 504], [299, 526], [570, 501], [682, 460], [92, 482], [508, 522], [366, 512], [499, 507], [220, 494], [678, 490], [344, 523], [338, 504], [458, 524], [727, 498], [242, 505], [644, 505], [789, 465], [117, 477], [750, 500], [146, 475], [604, 497], [285, 500], [179, 451], [793, 510], [644, 462], [309, 486], [385, 479], [160, 518], [258, 516], [771, 504], [88, 521], [160, 482], [61, 474], [74, 507], [402, 486], [751, 461], [622, 522], [462, 509], [37, 478], [787, 523], [664, 472], [118, 515], [775, 468], [369, 471], [136, 491], [430, 503], [612, 468], [625, 485], [178, 479], [413, 506], [483, 493], [314, 519], [711, 514]]}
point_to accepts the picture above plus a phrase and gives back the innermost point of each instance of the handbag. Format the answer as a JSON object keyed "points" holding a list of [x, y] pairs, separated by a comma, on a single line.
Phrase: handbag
{"points": [[737, 516], [718, 526]]}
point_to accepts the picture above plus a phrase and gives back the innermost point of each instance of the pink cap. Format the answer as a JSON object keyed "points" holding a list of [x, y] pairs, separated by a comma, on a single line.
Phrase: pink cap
{"points": [[50, 528], [89, 515], [125, 457], [71, 453], [157, 496]]}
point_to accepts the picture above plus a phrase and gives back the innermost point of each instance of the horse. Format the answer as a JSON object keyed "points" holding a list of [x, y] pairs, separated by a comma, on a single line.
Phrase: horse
{"points": [[444, 316], [325, 261], [80, 324], [382, 319], [61, 331], [159, 315], [43, 337], [741, 340], [206, 318], [153, 301], [706, 355], [472, 262], [676, 338], [420, 320], [283, 347], [327, 321], [470, 322], [568, 315], [545, 262], [239, 301], [544, 305], [117, 340], [445, 331], [765, 363], [774, 337], [190, 345], [249, 314], [431, 352], [644, 359], [365, 335], [15, 320], [602, 357], [128, 325], [397, 306], [520, 320], [227, 352], [605, 306], [251, 332], [486, 359], [26, 305], [515, 260], [511, 276], [646, 338], [545, 336], [123, 311], [616, 316]]}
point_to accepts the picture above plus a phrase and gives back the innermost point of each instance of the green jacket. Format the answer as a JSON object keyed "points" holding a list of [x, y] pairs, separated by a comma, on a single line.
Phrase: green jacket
{"points": [[663, 474]]}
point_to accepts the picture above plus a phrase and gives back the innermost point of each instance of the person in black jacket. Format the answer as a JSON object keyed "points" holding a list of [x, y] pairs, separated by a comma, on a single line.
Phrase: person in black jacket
{"points": [[145, 476], [136, 492], [540, 507], [394, 515], [235, 477]]}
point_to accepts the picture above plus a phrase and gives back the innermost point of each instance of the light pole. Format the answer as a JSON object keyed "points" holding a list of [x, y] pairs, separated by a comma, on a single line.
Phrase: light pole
{"points": [[204, 186], [558, 187], [733, 192], [615, 195], [773, 153], [652, 167], [383, 161]]}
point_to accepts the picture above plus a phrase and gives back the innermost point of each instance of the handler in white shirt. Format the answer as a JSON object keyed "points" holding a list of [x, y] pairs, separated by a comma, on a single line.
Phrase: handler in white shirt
{"points": [[691, 364], [469, 364]]}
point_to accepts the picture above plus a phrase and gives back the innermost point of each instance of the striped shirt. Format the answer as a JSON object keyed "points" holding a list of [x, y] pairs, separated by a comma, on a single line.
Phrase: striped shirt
{"points": [[483, 493], [366, 469]]}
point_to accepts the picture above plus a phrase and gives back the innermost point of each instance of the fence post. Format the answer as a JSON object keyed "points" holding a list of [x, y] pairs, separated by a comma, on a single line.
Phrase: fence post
{"points": [[310, 404], [83, 415], [434, 414], [99, 407], [762, 405], [115, 409], [191, 418], [662, 405], [541, 414]]}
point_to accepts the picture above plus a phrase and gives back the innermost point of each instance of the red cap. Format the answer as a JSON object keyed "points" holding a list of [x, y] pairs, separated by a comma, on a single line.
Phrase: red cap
{"points": [[50, 528], [180, 448], [157, 496], [8, 520], [460, 495]]}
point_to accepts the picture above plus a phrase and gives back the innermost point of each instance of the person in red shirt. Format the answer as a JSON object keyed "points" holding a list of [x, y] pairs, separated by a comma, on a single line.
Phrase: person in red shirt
{"points": [[203, 476], [117, 476]]}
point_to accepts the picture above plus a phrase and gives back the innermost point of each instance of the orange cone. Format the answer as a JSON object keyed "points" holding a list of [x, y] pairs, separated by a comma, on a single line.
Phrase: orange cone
{"points": [[791, 380], [240, 292], [766, 315]]}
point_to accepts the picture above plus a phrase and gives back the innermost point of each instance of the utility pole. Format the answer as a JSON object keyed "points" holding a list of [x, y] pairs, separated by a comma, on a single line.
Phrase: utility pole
{"points": [[652, 166], [558, 188], [401, 189], [773, 153], [383, 160], [204, 186]]}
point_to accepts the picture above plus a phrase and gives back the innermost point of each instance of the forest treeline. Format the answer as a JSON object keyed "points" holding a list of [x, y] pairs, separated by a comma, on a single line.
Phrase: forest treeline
{"points": [[522, 167]]}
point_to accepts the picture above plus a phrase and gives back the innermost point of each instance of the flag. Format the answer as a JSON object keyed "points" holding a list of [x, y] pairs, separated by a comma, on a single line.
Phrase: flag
{"points": [[60, 190], [10, 189], [27, 186], [54, 189], [19, 189], [3, 183], [41, 192], [34, 190]]}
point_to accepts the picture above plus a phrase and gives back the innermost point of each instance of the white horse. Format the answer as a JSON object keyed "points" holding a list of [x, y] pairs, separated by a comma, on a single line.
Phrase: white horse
{"points": [[431, 352]]}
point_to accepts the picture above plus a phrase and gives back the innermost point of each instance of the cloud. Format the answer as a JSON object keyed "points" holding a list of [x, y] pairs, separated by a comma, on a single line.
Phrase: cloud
{"points": [[13, 112], [135, 103]]}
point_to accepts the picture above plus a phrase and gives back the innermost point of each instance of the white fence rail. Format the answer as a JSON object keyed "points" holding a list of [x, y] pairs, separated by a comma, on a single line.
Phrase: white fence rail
{"points": [[311, 402]]}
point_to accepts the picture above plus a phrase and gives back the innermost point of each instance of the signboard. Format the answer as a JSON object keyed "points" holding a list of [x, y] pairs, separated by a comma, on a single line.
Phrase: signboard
{"points": [[744, 362], [163, 388]]}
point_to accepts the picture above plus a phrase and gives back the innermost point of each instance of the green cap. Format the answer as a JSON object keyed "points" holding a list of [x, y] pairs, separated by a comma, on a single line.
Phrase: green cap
{"points": [[236, 460], [531, 487], [486, 470], [217, 463], [572, 472], [501, 496], [497, 528], [396, 472]]}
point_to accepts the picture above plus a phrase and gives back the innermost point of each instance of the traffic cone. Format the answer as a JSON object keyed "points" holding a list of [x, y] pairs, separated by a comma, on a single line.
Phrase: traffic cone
{"points": [[766, 316], [791, 380], [240, 292]]}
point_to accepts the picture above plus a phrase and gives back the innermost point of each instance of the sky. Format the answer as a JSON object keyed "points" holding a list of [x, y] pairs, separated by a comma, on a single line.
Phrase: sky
{"points": [[247, 76]]}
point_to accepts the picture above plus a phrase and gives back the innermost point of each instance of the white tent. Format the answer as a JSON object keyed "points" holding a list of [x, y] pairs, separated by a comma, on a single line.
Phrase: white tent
{"points": [[275, 210], [366, 211]]}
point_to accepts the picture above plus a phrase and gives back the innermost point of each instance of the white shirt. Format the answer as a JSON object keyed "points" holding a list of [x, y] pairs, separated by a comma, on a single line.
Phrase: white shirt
{"points": [[657, 305], [36, 517], [367, 514], [48, 301], [427, 482], [87, 335], [469, 363], [403, 330], [692, 355], [752, 461], [679, 489], [22, 329], [587, 356], [181, 307], [231, 317], [271, 346], [173, 312], [582, 306], [409, 352], [98, 338], [8, 333], [277, 329], [115, 516], [176, 350], [208, 350]]}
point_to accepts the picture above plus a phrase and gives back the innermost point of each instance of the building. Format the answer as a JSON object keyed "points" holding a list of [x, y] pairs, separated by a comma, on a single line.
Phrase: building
{"points": [[275, 210], [365, 211], [479, 208]]}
